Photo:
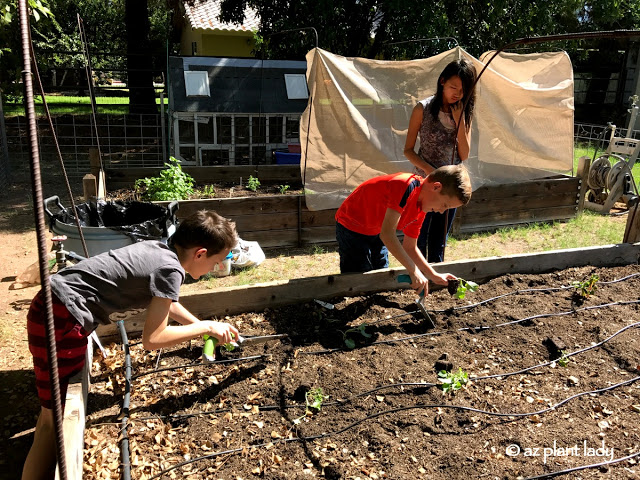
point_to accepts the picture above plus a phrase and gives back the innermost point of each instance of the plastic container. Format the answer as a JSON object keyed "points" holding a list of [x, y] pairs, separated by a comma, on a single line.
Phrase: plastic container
{"points": [[294, 148], [226, 267], [110, 225], [286, 158]]}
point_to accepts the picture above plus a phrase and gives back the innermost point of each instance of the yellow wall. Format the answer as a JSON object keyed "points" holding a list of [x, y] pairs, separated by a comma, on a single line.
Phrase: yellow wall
{"points": [[217, 44]]}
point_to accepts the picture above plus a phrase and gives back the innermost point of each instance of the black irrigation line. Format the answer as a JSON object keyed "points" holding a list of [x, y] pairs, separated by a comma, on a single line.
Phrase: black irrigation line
{"points": [[266, 408], [200, 364], [584, 467], [529, 290], [402, 409]]}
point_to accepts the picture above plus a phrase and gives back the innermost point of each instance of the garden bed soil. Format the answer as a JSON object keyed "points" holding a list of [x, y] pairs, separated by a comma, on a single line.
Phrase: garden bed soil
{"points": [[384, 415]]}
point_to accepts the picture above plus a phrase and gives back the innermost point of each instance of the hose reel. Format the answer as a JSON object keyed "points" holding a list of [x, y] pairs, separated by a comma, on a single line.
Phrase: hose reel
{"points": [[609, 180]]}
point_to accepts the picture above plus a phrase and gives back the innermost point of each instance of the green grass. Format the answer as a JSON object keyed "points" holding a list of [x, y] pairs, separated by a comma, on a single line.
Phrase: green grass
{"points": [[73, 105]]}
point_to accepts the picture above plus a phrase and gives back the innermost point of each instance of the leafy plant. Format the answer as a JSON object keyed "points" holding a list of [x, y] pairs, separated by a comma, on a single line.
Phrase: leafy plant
{"points": [[459, 287], [283, 188], [359, 330], [253, 183], [563, 361], [171, 184], [452, 381], [313, 399], [208, 191], [588, 287]]}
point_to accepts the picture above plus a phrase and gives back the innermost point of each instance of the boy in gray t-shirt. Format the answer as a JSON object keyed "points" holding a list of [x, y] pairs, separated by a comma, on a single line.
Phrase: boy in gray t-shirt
{"points": [[143, 275]]}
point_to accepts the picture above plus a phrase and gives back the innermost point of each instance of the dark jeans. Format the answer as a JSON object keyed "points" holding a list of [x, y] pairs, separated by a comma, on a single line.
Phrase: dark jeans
{"points": [[360, 253], [432, 235]]}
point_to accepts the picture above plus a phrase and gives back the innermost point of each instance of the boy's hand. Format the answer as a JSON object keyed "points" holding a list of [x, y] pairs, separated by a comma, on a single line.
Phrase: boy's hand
{"points": [[443, 278], [224, 332], [419, 282]]}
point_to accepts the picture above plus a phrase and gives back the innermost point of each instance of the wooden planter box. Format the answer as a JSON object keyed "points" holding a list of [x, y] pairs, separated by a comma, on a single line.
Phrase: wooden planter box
{"points": [[285, 221]]}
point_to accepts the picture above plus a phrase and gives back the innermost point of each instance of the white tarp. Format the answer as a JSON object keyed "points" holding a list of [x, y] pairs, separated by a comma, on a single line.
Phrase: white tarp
{"points": [[357, 120]]}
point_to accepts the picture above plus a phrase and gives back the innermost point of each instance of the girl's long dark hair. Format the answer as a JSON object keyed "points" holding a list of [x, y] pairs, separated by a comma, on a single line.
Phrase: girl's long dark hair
{"points": [[467, 73]]}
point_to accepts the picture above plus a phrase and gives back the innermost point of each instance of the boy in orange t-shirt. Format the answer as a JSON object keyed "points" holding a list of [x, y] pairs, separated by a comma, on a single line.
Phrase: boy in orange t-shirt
{"points": [[367, 221]]}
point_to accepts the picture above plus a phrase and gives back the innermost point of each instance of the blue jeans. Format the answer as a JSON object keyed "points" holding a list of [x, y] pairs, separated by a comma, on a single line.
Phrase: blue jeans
{"points": [[434, 233], [360, 253]]}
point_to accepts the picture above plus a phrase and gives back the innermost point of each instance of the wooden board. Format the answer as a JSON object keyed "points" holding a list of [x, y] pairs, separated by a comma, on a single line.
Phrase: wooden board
{"points": [[232, 300]]}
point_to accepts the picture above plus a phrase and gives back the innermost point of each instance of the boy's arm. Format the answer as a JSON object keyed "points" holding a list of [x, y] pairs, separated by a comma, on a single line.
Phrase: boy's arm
{"points": [[390, 239], [410, 245], [157, 333]]}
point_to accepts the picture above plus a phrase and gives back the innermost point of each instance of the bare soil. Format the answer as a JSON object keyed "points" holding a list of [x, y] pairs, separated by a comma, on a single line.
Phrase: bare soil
{"points": [[384, 414], [429, 442]]}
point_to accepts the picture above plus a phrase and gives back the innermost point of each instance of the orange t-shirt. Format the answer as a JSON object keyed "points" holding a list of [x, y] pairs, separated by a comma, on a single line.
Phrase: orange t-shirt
{"points": [[363, 211]]}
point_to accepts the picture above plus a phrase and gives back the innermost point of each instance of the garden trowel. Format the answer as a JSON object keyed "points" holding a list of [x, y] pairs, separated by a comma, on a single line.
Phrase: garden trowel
{"points": [[419, 301], [210, 343]]}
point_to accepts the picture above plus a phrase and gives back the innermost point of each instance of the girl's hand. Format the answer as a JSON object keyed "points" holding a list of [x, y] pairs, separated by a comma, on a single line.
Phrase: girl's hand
{"points": [[456, 112], [224, 332]]}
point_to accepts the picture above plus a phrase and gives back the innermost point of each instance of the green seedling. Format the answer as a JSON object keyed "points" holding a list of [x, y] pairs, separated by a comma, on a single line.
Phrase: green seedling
{"points": [[588, 287], [283, 188], [313, 399], [459, 287], [452, 381], [563, 361], [350, 342], [253, 183]]}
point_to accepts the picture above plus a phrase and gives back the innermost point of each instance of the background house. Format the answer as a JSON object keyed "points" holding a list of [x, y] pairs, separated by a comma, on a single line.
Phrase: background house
{"points": [[203, 34]]}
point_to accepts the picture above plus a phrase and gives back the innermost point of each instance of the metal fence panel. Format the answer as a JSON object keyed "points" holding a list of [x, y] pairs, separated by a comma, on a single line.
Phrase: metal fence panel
{"points": [[4, 153]]}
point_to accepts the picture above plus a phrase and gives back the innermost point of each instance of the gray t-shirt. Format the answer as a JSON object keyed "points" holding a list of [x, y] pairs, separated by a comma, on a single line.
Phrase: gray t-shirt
{"points": [[437, 138], [119, 280]]}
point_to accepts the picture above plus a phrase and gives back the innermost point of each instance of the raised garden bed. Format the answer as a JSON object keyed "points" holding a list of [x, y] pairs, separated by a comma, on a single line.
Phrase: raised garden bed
{"points": [[539, 357]]}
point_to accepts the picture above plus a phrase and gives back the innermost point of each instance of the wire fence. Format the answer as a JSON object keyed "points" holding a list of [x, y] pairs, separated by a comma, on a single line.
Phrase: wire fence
{"points": [[126, 141], [4, 153], [137, 140]]}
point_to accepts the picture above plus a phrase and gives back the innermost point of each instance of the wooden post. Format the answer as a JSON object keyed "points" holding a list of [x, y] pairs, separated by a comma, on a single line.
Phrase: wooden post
{"points": [[97, 170], [632, 230], [583, 174], [89, 186]]}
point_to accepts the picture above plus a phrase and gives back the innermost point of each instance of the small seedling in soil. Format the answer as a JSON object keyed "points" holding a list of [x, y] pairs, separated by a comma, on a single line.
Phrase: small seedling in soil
{"points": [[588, 287], [350, 342], [563, 361], [452, 381], [283, 188], [314, 399], [459, 287], [253, 183]]}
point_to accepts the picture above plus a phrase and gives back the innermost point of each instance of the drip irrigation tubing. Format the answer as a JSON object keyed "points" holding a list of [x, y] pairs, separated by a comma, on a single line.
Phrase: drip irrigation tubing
{"points": [[402, 384], [200, 364], [477, 328], [124, 436], [402, 409], [584, 467]]}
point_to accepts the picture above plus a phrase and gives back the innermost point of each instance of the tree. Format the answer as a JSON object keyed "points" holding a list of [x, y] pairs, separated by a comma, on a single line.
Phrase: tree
{"points": [[142, 98]]}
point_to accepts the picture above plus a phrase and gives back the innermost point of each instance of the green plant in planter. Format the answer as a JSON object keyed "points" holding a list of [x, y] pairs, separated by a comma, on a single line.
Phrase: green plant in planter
{"points": [[253, 183], [588, 287], [563, 361], [314, 399], [171, 184], [459, 287], [359, 330], [452, 381], [283, 189]]}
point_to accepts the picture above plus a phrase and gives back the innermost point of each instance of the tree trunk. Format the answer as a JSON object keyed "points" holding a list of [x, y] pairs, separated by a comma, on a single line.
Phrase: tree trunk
{"points": [[142, 98]]}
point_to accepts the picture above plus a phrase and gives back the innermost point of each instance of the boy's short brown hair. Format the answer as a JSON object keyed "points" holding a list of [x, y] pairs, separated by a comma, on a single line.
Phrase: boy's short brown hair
{"points": [[206, 229], [455, 181]]}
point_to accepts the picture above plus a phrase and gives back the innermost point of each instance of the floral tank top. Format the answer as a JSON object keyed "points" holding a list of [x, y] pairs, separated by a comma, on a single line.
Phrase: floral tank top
{"points": [[437, 139]]}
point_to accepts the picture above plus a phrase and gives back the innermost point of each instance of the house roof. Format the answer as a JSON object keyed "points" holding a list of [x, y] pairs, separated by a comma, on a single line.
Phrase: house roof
{"points": [[203, 14]]}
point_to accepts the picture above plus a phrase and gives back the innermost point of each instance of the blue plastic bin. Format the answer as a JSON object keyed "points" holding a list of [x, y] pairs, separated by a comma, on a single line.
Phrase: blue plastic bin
{"points": [[286, 158]]}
